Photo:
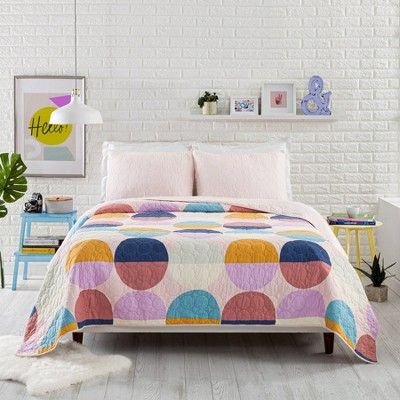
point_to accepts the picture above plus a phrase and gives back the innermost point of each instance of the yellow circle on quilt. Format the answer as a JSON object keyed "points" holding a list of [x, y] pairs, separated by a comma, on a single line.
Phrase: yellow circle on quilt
{"points": [[41, 130]]}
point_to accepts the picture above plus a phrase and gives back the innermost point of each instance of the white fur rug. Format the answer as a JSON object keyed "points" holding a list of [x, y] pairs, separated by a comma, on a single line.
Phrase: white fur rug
{"points": [[68, 364]]}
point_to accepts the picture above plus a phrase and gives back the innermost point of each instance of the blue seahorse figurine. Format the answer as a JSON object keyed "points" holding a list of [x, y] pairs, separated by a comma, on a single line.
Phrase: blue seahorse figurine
{"points": [[320, 100]]}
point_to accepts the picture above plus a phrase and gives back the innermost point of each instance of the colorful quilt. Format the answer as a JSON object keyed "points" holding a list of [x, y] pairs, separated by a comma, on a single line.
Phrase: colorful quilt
{"points": [[140, 262]]}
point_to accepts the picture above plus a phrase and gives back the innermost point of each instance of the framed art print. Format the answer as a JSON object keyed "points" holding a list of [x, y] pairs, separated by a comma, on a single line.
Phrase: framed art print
{"points": [[47, 150], [278, 99], [244, 106]]}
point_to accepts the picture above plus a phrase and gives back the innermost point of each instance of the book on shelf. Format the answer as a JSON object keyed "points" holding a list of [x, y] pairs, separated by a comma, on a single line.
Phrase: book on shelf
{"points": [[44, 241], [344, 219], [38, 250]]}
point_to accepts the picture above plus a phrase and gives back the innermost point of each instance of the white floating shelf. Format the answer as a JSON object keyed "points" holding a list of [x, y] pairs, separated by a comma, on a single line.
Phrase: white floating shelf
{"points": [[228, 117]]}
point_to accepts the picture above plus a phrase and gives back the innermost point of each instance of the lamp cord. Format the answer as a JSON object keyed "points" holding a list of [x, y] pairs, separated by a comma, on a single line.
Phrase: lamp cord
{"points": [[76, 47]]}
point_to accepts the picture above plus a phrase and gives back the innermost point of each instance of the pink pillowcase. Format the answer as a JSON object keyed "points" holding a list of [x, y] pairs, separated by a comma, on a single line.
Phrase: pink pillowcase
{"points": [[142, 174], [242, 175]]}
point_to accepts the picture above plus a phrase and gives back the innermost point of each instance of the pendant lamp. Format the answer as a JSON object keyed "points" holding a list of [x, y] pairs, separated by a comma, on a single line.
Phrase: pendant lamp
{"points": [[75, 112]]}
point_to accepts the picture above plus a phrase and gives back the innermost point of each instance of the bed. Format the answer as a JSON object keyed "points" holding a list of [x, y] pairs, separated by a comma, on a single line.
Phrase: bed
{"points": [[201, 264]]}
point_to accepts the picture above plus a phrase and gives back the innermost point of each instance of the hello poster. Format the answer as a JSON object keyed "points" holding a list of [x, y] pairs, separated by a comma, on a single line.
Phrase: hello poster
{"points": [[47, 150]]}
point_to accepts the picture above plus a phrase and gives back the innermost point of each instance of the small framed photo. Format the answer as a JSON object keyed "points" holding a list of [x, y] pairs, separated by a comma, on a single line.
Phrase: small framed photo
{"points": [[278, 99], [244, 106]]}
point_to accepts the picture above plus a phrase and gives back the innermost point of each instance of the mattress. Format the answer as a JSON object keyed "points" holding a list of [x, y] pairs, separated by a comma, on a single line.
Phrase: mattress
{"points": [[201, 263]]}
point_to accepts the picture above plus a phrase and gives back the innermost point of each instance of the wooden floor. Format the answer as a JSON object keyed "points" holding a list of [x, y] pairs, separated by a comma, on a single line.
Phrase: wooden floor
{"points": [[225, 366]]}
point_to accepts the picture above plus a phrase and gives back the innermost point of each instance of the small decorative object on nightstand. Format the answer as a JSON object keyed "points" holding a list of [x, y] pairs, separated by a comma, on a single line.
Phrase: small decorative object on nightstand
{"points": [[376, 291], [28, 251], [208, 103]]}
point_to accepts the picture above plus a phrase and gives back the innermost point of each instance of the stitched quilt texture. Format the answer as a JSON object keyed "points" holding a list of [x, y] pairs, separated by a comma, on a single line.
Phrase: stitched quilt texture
{"points": [[152, 262]]}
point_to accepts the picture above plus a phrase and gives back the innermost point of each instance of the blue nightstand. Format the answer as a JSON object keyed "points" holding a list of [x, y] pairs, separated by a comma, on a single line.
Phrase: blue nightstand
{"points": [[26, 222]]}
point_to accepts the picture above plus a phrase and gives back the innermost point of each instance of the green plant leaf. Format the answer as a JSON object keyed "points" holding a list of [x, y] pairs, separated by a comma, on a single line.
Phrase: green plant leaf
{"points": [[13, 185], [364, 272], [3, 209]]}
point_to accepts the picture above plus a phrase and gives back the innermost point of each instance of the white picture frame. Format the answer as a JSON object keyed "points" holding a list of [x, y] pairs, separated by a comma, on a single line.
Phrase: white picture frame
{"points": [[244, 106], [278, 99], [47, 151]]}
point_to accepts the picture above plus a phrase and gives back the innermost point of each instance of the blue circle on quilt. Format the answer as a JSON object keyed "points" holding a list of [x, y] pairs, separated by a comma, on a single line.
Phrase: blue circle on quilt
{"points": [[198, 233], [304, 264], [141, 263], [248, 232], [62, 323], [204, 207], [194, 307], [100, 227], [340, 318], [242, 225], [133, 231]]}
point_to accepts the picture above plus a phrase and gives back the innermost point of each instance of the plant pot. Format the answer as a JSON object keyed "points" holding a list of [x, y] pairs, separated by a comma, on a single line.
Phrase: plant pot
{"points": [[377, 294], [210, 108]]}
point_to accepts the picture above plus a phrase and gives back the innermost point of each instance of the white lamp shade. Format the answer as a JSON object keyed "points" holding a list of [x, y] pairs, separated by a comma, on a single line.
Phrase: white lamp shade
{"points": [[75, 112]]}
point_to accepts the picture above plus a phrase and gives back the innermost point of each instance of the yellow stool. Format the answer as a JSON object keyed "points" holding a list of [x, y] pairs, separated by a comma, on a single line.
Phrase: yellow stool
{"points": [[368, 229]]}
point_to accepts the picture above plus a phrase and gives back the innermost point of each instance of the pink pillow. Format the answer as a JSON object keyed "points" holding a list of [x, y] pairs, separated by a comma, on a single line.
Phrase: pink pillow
{"points": [[143, 174], [242, 175]]}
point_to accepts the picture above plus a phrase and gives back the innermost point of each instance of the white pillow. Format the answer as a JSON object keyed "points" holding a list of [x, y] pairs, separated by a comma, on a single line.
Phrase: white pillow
{"points": [[243, 171], [150, 147]]}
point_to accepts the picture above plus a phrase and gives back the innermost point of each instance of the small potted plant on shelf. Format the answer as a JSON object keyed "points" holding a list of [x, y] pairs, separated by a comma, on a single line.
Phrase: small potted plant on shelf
{"points": [[376, 291], [13, 186], [208, 103]]}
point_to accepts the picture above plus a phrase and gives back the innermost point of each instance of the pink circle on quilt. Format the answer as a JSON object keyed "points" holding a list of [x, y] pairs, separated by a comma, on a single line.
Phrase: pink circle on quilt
{"points": [[88, 275], [93, 308], [114, 208], [366, 348], [302, 303], [140, 306]]}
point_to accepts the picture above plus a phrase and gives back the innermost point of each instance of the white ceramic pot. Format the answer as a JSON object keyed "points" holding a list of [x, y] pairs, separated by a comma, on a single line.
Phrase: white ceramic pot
{"points": [[210, 108]]}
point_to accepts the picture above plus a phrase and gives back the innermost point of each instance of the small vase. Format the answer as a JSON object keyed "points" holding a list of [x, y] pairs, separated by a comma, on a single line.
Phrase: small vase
{"points": [[210, 108], [377, 294]]}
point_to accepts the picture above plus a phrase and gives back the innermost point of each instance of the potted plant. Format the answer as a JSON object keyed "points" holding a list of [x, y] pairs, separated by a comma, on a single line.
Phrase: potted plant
{"points": [[208, 103], [376, 291], [13, 186]]}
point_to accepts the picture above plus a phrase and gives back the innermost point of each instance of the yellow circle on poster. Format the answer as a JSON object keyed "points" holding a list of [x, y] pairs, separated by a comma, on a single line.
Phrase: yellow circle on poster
{"points": [[41, 130]]}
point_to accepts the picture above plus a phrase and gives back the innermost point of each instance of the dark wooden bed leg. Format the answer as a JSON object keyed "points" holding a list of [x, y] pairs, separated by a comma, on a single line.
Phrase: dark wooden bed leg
{"points": [[329, 340], [77, 337]]}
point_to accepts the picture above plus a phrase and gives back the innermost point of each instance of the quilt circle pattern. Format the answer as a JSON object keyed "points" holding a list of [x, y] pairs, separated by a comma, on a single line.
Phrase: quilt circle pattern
{"points": [[141, 262], [304, 264], [194, 307], [250, 308], [251, 263], [140, 306]]}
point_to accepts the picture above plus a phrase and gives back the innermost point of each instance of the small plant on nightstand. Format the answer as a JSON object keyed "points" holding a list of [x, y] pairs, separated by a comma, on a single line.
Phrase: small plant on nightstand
{"points": [[208, 103], [376, 291], [13, 186]]}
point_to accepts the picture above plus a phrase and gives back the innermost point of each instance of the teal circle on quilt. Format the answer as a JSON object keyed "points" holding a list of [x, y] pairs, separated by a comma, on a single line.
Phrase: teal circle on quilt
{"points": [[194, 307], [141, 263], [197, 233], [304, 264], [134, 231], [340, 318], [301, 235], [204, 207], [62, 322]]}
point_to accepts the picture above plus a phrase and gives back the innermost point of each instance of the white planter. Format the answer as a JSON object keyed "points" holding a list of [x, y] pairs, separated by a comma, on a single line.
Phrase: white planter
{"points": [[210, 108]]}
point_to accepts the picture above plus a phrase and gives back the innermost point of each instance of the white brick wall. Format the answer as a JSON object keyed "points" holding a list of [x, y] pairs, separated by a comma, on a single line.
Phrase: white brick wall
{"points": [[146, 61]]}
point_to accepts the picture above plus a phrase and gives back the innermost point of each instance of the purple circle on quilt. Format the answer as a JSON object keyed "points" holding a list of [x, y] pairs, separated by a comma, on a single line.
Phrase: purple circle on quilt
{"points": [[158, 206], [300, 304], [90, 274], [372, 322], [251, 276], [139, 306]]}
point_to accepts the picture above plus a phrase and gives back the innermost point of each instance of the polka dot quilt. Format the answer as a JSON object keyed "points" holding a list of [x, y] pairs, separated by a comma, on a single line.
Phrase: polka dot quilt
{"points": [[156, 262]]}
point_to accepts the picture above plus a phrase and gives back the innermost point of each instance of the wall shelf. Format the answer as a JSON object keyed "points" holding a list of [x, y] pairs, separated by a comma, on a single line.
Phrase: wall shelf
{"points": [[228, 117]]}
